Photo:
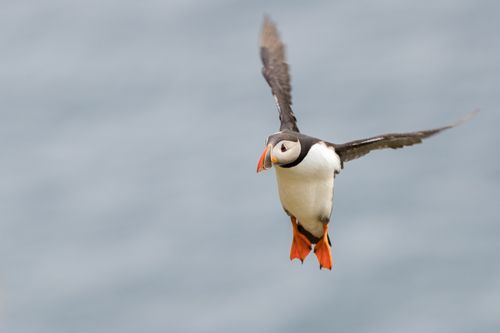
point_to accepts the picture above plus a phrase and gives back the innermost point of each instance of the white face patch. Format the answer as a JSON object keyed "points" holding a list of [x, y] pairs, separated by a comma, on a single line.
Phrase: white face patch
{"points": [[286, 151]]}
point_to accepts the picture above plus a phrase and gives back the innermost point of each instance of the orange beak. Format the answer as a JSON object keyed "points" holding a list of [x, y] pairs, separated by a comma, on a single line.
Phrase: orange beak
{"points": [[265, 161]]}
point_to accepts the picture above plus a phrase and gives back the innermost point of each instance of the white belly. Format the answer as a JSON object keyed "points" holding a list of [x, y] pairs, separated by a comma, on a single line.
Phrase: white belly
{"points": [[306, 190]]}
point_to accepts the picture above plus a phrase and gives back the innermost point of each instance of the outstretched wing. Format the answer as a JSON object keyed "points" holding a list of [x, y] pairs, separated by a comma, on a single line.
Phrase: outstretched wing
{"points": [[275, 71], [355, 149]]}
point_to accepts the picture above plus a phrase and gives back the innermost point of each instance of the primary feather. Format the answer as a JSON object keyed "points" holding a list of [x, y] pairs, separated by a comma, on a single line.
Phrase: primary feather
{"points": [[275, 71]]}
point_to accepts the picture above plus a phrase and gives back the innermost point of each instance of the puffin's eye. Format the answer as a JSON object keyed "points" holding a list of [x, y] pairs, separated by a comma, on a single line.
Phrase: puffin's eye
{"points": [[283, 148]]}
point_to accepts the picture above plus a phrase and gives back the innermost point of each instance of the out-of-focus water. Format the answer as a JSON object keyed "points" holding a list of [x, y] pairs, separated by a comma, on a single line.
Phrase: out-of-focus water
{"points": [[129, 136]]}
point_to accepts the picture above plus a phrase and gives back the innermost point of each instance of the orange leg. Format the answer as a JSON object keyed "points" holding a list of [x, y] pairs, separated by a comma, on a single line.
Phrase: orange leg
{"points": [[301, 246], [323, 251]]}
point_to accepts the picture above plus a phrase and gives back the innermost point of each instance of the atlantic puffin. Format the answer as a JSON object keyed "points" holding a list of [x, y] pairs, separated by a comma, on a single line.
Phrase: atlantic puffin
{"points": [[306, 166]]}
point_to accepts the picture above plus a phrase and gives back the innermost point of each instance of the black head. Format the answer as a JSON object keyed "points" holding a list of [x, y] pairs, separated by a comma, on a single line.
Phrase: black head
{"points": [[285, 149]]}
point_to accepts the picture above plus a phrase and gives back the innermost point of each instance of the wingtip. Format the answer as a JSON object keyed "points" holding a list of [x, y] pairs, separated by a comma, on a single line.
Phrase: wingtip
{"points": [[266, 19], [268, 26], [466, 118]]}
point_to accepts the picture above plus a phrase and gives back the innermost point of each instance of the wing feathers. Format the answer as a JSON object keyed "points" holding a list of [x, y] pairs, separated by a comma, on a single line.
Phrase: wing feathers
{"points": [[275, 71], [355, 149]]}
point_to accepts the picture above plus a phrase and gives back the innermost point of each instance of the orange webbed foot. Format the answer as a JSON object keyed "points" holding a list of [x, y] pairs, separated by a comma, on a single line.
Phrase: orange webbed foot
{"points": [[323, 251], [301, 246]]}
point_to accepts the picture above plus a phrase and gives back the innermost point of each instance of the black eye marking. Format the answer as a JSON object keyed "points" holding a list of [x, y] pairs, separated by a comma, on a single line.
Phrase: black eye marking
{"points": [[283, 148]]}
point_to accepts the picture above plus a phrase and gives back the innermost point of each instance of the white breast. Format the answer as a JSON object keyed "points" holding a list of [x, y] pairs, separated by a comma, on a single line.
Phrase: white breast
{"points": [[306, 190]]}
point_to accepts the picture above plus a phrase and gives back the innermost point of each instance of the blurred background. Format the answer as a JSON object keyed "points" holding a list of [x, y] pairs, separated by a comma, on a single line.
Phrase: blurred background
{"points": [[129, 137]]}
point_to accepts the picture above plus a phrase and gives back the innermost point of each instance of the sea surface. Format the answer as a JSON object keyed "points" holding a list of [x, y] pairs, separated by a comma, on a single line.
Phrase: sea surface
{"points": [[129, 137]]}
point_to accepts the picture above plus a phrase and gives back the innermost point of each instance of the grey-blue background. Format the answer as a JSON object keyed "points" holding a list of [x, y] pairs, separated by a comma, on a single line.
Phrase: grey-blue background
{"points": [[130, 132]]}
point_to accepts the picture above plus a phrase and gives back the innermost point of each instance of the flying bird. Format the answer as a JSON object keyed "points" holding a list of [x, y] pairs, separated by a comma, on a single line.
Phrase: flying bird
{"points": [[306, 166]]}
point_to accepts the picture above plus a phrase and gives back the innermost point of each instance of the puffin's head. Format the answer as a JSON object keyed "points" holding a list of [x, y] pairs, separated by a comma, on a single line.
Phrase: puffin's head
{"points": [[282, 148]]}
